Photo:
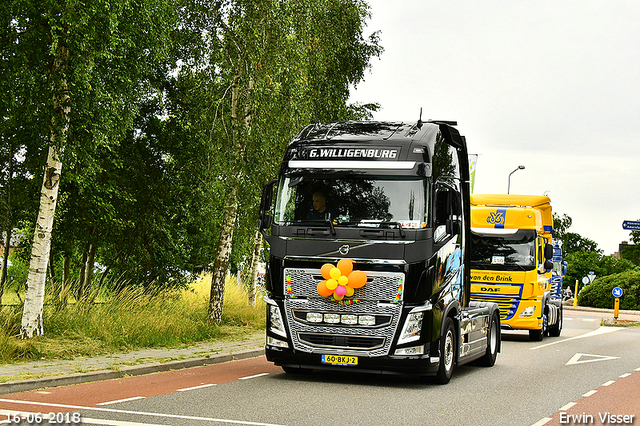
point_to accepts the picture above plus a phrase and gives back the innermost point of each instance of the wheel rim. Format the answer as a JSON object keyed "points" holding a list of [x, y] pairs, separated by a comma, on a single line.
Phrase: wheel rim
{"points": [[448, 351]]}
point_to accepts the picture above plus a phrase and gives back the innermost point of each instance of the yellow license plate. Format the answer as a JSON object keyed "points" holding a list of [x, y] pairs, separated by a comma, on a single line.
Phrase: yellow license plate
{"points": [[339, 360]]}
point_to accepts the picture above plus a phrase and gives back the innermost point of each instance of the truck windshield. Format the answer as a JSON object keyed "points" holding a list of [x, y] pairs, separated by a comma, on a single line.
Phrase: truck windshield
{"points": [[506, 252], [353, 201]]}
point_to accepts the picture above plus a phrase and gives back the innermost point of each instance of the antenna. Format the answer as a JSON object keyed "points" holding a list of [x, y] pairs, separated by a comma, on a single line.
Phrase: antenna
{"points": [[420, 119]]}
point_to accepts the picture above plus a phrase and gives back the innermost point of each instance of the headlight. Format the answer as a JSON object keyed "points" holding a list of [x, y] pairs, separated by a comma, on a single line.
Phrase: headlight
{"points": [[527, 312], [412, 328], [277, 325]]}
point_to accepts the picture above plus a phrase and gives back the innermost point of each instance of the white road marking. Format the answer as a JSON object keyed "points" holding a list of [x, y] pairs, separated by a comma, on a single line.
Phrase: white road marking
{"points": [[254, 376], [588, 394], [543, 421], [625, 375], [609, 383], [566, 407], [134, 398], [196, 387], [576, 359], [85, 420], [599, 331], [139, 413]]}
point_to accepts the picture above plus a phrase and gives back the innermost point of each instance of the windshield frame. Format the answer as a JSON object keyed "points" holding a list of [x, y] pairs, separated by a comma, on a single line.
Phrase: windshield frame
{"points": [[361, 201], [495, 255]]}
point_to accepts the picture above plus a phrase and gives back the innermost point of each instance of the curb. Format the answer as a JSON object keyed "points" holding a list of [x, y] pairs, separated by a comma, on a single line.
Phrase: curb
{"points": [[133, 370]]}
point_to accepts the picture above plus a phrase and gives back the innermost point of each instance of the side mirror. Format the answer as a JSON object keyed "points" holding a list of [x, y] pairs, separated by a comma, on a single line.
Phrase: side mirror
{"points": [[548, 252], [265, 219], [548, 265]]}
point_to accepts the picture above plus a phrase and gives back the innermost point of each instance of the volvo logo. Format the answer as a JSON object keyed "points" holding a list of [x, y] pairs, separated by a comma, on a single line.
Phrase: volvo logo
{"points": [[344, 250]]}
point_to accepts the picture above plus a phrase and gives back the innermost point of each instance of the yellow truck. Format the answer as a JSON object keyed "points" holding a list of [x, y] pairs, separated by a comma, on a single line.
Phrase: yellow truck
{"points": [[511, 253]]}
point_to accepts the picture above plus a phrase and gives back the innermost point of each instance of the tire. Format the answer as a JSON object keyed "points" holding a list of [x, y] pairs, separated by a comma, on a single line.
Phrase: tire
{"points": [[447, 353], [556, 329], [538, 335], [493, 340], [296, 370]]}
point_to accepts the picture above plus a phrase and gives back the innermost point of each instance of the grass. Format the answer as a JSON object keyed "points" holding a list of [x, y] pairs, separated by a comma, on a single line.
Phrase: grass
{"points": [[131, 320]]}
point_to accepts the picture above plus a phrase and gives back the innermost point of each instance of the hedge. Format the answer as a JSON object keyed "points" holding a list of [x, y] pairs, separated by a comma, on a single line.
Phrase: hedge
{"points": [[598, 294]]}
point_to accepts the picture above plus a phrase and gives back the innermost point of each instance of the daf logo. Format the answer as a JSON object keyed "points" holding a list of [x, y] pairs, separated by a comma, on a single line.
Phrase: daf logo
{"points": [[344, 250], [489, 289]]}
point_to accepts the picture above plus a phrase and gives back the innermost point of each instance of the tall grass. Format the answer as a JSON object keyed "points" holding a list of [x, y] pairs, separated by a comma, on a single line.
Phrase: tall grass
{"points": [[131, 319]]}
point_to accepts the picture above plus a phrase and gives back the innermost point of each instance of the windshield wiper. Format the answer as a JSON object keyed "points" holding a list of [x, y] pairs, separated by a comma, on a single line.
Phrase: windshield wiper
{"points": [[325, 221], [398, 225]]}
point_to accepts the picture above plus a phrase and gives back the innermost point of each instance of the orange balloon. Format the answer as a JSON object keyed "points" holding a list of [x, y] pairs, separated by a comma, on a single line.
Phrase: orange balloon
{"points": [[357, 279], [326, 268], [345, 266], [323, 290]]}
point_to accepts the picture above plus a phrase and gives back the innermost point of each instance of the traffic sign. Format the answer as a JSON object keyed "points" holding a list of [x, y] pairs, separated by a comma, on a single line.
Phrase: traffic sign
{"points": [[617, 292], [631, 224]]}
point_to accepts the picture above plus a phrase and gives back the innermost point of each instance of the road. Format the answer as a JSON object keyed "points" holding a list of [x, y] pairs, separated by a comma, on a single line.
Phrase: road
{"points": [[529, 385]]}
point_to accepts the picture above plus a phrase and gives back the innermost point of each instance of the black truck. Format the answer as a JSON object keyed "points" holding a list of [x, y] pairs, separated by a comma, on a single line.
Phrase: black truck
{"points": [[368, 226]]}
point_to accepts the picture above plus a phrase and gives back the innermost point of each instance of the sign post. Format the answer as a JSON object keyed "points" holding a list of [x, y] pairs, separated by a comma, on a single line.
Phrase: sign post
{"points": [[617, 293]]}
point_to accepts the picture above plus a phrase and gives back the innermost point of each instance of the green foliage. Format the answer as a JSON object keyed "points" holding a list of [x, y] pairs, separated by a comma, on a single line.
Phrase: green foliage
{"points": [[632, 253], [598, 294], [582, 262]]}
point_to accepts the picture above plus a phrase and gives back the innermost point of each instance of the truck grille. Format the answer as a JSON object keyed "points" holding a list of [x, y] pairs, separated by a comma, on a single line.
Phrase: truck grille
{"points": [[344, 342], [381, 298], [508, 305]]}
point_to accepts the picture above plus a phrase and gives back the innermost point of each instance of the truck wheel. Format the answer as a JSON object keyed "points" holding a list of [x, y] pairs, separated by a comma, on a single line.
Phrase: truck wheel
{"points": [[447, 353], [556, 329], [493, 336], [538, 335]]}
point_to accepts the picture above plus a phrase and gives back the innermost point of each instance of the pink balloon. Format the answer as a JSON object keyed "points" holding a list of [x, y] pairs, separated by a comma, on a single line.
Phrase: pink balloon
{"points": [[341, 291]]}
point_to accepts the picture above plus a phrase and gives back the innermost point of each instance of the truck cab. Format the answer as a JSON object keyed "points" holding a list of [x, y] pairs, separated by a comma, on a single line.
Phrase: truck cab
{"points": [[368, 226], [511, 261]]}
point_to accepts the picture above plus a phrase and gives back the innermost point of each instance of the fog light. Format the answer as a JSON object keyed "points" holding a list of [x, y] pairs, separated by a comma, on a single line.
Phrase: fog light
{"points": [[277, 343], [414, 350], [349, 319], [368, 320], [314, 317], [332, 318], [527, 312]]}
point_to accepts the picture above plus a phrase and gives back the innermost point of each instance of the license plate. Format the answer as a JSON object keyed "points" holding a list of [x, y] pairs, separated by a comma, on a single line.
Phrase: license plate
{"points": [[339, 360]]}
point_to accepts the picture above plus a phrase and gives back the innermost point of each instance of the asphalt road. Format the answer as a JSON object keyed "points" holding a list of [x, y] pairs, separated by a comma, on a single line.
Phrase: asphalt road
{"points": [[529, 385]]}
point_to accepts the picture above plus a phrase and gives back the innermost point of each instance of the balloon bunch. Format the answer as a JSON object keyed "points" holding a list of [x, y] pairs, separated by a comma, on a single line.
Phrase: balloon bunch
{"points": [[340, 281]]}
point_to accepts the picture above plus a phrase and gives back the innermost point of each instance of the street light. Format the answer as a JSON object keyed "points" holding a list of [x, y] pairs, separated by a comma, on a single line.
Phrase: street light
{"points": [[509, 184]]}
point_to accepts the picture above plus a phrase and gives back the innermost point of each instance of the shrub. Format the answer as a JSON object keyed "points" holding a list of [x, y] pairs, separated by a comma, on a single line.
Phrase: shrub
{"points": [[598, 294]]}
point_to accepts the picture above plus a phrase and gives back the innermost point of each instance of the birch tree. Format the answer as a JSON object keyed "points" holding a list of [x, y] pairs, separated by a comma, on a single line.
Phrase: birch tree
{"points": [[284, 67], [91, 62]]}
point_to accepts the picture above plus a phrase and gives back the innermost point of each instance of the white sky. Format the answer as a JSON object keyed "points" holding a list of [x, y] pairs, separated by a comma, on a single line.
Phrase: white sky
{"points": [[552, 85]]}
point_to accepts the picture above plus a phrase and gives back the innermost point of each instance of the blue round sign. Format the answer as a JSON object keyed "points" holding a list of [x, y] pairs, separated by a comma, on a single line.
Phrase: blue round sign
{"points": [[617, 292]]}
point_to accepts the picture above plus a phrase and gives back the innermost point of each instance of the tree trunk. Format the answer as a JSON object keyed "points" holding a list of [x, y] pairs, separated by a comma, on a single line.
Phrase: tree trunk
{"points": [[66, 280], [80, 293], [8, 222], [253, 271], [34, 294], [91, 260], [5, 260], [53, 278], [221, 264]]}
